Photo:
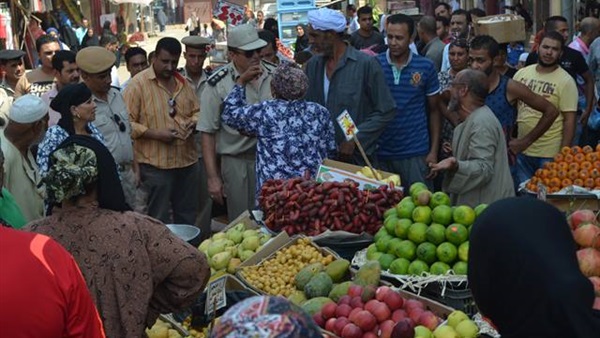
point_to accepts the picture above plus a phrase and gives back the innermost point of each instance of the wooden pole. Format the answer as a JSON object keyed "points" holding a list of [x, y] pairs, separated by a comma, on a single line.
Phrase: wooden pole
{"points": [[364, 155]]}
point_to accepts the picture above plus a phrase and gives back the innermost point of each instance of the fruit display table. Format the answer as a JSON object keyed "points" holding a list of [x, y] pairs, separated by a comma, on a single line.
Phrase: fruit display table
{"points": [[566, 203]]}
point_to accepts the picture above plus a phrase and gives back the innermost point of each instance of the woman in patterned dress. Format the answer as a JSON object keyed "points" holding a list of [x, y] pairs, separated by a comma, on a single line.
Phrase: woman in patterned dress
{"points": [[134, 267]]}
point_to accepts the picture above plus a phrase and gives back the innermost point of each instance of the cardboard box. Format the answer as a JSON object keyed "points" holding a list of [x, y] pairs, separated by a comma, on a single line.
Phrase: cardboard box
{"points": [[503, 27], [335, 171], [268, 253]]}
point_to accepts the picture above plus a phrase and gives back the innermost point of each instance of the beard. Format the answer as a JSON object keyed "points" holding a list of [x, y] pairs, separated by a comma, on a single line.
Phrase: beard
{"points": [[453, 104], [548, 65]]}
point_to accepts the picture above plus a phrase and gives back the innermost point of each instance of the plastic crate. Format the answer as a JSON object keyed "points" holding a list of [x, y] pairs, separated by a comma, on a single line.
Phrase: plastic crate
{"points": [[457, 296]]}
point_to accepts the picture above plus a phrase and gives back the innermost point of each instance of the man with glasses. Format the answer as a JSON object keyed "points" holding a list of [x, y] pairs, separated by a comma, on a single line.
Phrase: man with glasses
{"points": [[478, 170], [40, 80], [112, 118], [193, 71], [65, 72], [163, 110], [235, 180]]}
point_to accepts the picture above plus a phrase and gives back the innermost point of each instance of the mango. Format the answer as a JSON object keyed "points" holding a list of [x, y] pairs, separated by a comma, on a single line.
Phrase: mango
{"points": [[221, 260], [250, 233], [251, 243], [233, 264], [245, 254], [368, 274], [303, 276], [319, 286], [337, 269], [234, 235], [339, 290], [297, 297], [204, 245], [219, 235], [315, 305]]}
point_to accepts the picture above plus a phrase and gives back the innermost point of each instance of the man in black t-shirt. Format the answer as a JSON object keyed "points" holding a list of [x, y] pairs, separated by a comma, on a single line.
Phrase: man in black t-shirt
{"points": [[573, 62]]}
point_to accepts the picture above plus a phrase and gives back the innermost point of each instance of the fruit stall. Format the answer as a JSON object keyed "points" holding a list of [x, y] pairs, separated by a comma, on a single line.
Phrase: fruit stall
{"points": [[406, 276], [571, 181]]}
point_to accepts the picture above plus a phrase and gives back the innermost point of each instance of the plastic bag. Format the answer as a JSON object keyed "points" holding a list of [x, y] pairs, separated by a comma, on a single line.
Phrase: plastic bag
{"points": [[594, 119]]}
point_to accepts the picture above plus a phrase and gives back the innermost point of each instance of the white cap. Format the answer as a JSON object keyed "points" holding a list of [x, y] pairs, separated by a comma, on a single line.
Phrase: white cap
{"points": [[28, 109]]}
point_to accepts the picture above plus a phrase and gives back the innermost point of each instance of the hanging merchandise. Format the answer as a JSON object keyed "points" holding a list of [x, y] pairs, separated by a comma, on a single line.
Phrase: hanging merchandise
{"points": [[231, 13]]}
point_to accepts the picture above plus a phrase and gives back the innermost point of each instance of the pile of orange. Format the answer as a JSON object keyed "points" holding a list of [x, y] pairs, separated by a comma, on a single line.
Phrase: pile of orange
{"points": [[572, 166]]}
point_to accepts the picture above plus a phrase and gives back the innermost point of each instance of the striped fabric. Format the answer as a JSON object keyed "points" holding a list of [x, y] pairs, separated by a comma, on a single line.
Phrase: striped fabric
{"points": [[408, 134], [148, 105]]}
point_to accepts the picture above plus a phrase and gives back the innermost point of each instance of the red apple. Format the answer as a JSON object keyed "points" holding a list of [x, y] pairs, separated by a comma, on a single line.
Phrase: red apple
{"points": [[343, 310], [351, 331], [344, 300], [357, 302], [415, 314], [398, 315], [386, 328], [429, 320], [339, 325], [381, 312], [413, 303], [369, 305], [368, 293], [393, 300], [404, 329], [364, 319], [381, 292], [318, 318], [355, 291], [581, 216], [370, 335], [353, 313], [330, 324], [328, 311]]}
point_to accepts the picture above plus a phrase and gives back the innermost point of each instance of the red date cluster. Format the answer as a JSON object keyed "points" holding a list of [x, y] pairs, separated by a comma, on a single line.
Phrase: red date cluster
{"points": [[303, 206]]}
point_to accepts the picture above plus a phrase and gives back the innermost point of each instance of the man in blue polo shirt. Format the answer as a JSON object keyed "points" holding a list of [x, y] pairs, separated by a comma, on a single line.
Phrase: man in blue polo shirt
{"points": [[410, 142]]}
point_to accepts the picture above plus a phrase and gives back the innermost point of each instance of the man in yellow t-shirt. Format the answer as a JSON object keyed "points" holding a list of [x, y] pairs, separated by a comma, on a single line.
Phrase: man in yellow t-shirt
{"points": [[548, 79]]}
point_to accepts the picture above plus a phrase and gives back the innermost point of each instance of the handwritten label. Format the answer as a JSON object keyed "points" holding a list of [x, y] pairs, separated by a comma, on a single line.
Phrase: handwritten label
{"points": [[215, 296], [347, 124]]}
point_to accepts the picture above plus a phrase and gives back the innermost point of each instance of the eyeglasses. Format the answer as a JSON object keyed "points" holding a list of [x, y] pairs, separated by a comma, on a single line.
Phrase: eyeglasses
{"points": [[248, 53], [172, 110], [120, 123]]}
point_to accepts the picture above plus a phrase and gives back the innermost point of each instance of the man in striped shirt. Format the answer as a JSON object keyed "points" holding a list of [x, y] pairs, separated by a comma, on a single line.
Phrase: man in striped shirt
{"points": [[163, 111], [410, 142]]}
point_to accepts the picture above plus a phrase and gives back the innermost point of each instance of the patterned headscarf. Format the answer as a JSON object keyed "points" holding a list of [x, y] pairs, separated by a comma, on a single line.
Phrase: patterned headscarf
{"points": [[289, 82], [266, 317], [73, 168]]}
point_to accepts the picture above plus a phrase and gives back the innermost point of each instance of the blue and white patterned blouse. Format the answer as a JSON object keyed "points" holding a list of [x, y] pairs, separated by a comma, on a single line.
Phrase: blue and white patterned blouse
{"points": [[55, 135], [293, 136]]}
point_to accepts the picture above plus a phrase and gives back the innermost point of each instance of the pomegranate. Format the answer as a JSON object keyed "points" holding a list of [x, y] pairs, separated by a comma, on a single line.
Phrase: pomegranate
{"points": [[351, 331], [581, 216], [587, 235], [589, 261]]}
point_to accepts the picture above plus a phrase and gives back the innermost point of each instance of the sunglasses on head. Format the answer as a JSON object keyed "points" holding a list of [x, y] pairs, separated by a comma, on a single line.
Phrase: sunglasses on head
{"points": [[120, 123], [248, 53]]}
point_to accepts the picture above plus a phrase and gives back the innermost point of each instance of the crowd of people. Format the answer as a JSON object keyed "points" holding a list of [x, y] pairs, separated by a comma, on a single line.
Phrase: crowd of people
{"points": [[100, 167]]}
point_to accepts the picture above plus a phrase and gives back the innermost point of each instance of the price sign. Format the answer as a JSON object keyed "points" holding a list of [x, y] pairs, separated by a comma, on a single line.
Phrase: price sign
{"points": [[215, 296]]}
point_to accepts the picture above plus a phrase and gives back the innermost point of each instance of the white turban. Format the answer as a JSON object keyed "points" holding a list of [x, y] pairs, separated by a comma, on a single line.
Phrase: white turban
{"points": [[28, 109], [325, 19]]}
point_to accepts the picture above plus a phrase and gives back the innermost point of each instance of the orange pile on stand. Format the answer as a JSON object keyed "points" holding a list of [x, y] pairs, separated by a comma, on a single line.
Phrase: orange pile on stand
{"points": [[572, 166]]}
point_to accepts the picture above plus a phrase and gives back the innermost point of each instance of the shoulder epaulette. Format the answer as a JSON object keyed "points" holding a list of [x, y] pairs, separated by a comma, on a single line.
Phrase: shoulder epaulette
{"points": [[217, 76]]}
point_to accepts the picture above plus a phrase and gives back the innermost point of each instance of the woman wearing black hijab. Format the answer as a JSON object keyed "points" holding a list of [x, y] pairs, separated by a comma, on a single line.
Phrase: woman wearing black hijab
{"points": [[301, 39], [524, 274]]}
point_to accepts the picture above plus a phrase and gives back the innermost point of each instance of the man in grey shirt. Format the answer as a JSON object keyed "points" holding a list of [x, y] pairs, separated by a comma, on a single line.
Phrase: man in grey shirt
{"points": [[367, 36], [434, 47], [343, 78]]}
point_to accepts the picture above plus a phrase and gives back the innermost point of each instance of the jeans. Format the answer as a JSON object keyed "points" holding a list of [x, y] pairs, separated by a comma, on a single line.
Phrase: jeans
{"points": [[527, 165]]}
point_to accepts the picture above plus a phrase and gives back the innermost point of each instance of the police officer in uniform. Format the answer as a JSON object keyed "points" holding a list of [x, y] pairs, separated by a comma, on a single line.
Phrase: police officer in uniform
{"points": [[195, 54], [12, 68], [112, 116], [235, 180]]}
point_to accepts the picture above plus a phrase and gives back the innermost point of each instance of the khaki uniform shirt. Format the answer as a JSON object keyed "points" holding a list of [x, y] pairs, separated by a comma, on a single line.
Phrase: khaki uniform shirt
{"points": [[23, 180], [199, 87], [112, 119], [6, 101], [229, 141]]}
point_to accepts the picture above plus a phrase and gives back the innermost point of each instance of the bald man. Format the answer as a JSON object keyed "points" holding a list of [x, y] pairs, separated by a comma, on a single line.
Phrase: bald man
{"points": [[478, 172], [590, 29]]}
